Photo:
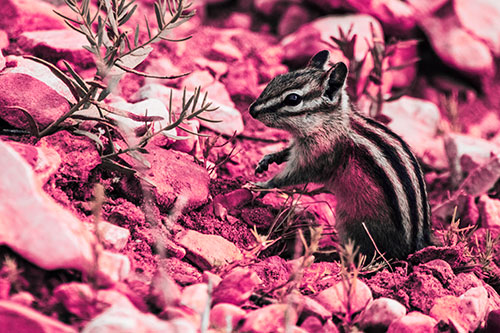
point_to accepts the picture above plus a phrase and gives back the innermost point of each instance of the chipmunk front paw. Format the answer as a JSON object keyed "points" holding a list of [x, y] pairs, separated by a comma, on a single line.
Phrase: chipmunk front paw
{"points": [[263, 164]]}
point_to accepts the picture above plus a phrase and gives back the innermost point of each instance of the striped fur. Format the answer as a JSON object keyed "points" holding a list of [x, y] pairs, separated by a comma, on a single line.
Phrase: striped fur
{"points": [[372, 171]]}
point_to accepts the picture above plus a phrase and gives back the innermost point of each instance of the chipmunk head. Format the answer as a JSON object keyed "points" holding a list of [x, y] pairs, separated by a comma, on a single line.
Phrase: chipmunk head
{"points": [[298, 100]]}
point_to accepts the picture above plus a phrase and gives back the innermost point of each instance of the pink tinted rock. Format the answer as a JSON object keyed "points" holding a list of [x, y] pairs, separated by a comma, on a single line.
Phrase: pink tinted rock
{"points": [[335, 299], [465, 312], [2, 58], [484, 177], [196, 297], [269, 7], [293, 17], [163, 291], [239, 20], [112, 235], [4, 42], [242, 81], [188, 191], [481, 19], [57, 44], [31, 93], [24, 15], [208, 251], [313, 324], [271, 318], [77, 298], [489, 210], [404, 77], [124, 317], [231, 118], [236, 287], [188, 143], [209, 277], [307, 306], [33, 224], [414, 322], [21, 319], [235, 199], [425, 8], [381, 313], [477, 150], [43, 159], [182, 272], [456, 47], [79, 155], [111, 268], [225, 52], [224, 312], [23, 298]]}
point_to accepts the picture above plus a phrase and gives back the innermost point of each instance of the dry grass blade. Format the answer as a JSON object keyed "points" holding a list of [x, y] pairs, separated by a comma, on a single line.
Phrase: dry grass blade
{"points": [[33, 126]]}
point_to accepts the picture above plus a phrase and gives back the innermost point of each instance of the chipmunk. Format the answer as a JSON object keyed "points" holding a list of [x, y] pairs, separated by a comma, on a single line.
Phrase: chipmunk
{"points": [[371, 170]]}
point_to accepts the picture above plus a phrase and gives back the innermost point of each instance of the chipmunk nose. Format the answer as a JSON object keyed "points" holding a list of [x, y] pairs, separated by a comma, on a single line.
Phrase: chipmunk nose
{"points": [[252, 110]]}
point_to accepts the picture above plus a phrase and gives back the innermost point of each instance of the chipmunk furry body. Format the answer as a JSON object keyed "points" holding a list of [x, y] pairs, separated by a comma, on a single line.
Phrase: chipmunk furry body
{"points": [[370, 169]]}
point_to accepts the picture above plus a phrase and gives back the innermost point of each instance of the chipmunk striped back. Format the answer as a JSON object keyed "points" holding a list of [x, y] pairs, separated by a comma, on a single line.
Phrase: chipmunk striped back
{"points": [[371, 170]]}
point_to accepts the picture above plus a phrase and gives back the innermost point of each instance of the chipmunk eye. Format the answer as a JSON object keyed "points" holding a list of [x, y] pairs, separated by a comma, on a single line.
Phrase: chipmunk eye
{"points": [[292, 99]]}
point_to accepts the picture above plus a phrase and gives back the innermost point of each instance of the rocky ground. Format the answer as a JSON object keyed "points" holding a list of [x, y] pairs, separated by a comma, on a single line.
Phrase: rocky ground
{"points": [[170, 237]]}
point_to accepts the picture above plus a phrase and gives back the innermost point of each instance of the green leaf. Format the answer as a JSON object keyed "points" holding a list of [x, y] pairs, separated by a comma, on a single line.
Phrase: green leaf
{"points": [[159, 17], [127, 16], [136, 35], [77, 77], [34, 130]]}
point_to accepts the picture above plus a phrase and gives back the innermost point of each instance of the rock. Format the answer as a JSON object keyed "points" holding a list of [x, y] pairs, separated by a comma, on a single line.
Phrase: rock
{"points": [[489, 210], [163, 291], [231, 118], [33, 87], [307, 306], [294, 17], [269, 7], [236, 287], [181, 271], [113, 236], [33, 224], [23, 15], [425, 8], [44, 160], [484, 177], [480, 20], [188, 143], [223, 313], [79, 155], [465, 313], [209, 277], [404, 53], [238, 20], [112, 268], [476, 151], [208, 84], [21, 319], [124, 317], [2, 58], [414, 322], [242, 81], [271, 318], [456, 47], [232, 202], [77, 298], [196, 297], [189, 191], [225, 52], [336, 300], [380, 313], [23, 298], [57, 44], [208, 251]]}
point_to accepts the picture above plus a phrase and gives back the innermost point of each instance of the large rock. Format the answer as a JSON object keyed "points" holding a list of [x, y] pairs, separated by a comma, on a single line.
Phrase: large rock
{"points": [[57, 44], [187, 191], [481, 19], [208, 251], [230, 119], [21, 319], [336, 299], [381, 313], [236, 287], [33, 87], [489, 209], [33, 224], [457, 47]]}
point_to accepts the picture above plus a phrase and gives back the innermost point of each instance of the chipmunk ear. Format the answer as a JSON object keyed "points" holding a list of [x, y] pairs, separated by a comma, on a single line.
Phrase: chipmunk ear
{"points": [[319, 59], [335, 79]]}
